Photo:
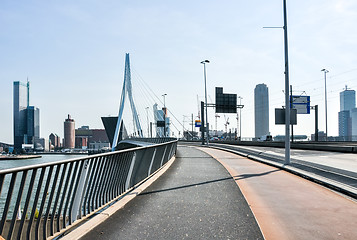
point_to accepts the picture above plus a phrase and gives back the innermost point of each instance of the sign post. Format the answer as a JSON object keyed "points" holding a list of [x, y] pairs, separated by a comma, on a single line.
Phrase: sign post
{"points": [[203, 122]]}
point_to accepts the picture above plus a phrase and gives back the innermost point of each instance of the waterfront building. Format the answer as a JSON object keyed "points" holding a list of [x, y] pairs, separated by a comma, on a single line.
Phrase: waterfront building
{"points": [[81, 142], [33, 123], [69, 133], [261, 110], [347, 122], [55, 140], [26, 117], [21, 102], [85, 136]]}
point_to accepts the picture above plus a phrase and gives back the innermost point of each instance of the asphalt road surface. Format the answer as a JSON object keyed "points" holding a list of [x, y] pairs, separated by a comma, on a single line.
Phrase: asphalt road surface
{"points": [[196, 198]]}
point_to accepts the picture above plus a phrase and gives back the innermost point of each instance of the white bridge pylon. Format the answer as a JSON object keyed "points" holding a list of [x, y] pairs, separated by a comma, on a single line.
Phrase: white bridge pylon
{"points": [[127, 89]]}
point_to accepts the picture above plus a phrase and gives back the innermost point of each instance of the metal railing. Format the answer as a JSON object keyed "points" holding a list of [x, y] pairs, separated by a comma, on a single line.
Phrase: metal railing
{"points": [[41, 200]]}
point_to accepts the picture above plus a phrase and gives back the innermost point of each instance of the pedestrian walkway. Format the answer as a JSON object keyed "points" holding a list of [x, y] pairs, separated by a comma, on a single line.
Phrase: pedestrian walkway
{"points": [[290, 207], [196, 198]]}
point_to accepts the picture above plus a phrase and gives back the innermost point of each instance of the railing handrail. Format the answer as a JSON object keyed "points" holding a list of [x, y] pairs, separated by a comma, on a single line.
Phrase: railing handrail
{"points": [[68, 190], [41, 165]]}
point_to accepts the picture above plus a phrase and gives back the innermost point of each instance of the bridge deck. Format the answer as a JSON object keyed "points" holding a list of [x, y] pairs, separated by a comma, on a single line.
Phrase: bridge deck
{"points": [[195, 199], [290, 207]]}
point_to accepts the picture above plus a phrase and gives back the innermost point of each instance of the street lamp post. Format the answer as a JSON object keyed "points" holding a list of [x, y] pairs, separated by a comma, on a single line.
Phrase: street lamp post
{"points": [[240, 118], [287, 97], [204, 72], [164, 110], [287, 100], [164, 99], [147, 119], [325, 71]]}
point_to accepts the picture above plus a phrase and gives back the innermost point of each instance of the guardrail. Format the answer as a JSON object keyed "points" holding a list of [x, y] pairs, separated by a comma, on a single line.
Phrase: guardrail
{"points": [[41, 200], [344, 147]]}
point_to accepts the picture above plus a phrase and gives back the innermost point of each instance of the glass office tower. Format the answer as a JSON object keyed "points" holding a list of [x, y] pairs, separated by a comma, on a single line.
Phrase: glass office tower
{"points": [[347, 100], [345, 123], [21, 102], [33, 124], [26, 117]]}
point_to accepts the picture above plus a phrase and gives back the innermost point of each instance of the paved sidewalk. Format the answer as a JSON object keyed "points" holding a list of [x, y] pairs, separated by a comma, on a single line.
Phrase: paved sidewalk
{"points": [[290, 207], [195, 199]]}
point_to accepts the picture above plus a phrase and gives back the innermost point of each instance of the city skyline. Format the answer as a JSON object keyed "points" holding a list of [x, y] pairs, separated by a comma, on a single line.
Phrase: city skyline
{"points": [[78, 53]]}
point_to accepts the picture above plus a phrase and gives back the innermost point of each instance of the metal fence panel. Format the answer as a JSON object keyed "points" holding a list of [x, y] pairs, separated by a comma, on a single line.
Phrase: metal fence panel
{"points": [[59, 193]]}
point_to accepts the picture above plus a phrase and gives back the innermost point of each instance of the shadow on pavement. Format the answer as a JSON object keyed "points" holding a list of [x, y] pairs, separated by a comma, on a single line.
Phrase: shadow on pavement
{"points": [[243, 176], [186, 186], [239, 177]]}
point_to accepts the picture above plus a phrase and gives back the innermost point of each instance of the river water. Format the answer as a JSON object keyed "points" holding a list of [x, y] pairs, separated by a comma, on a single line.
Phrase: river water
{"points": [[5, 164]]}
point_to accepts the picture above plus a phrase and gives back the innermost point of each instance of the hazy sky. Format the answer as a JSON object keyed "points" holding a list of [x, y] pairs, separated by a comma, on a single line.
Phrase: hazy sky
{"points": [[73, 54]]}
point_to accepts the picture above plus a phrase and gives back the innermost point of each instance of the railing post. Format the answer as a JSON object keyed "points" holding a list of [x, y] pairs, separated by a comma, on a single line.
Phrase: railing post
{"points": [[97, 188], [58, 194], [7, 203], [27, 202], [109, 180], [17, 205], [53, 191], [81, 175], [44, 196], [85, 189], [64, 193], [34, 206], [163, 156], [92, 183], [116, 176], [128, 179], [70, 192], [152, 161]]}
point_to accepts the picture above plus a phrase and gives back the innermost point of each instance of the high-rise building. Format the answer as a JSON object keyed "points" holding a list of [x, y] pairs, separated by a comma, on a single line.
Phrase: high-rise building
{"points": [[346, 123], [261, 110], [162, 122], [26, 117], [347, 99], [69, 133], [21, 103], [353, 114], [33, 123]]}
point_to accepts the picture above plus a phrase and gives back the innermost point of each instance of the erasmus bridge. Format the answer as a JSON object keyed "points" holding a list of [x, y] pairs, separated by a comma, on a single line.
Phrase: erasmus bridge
{"points": [[163, 188]]}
